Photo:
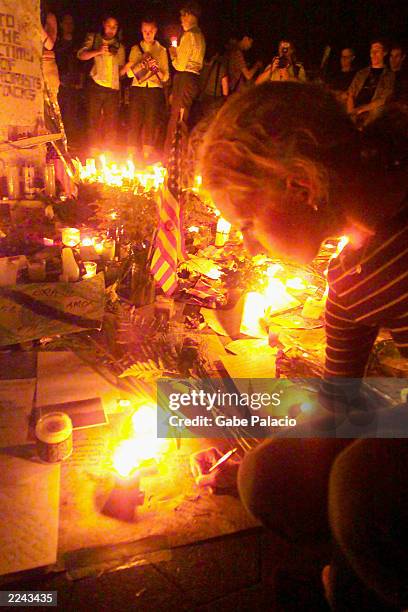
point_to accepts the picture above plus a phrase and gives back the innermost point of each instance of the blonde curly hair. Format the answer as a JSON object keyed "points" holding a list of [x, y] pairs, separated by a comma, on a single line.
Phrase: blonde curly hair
{"points": [[272, 137]]}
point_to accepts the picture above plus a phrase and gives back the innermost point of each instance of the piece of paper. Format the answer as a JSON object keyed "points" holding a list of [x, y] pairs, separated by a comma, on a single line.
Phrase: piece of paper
{"points": [[258, 366], [225, 322], [29, 511], [91, 450], [35, 310], [64, 377], [16, 403], [83, 413], [248, 347]]}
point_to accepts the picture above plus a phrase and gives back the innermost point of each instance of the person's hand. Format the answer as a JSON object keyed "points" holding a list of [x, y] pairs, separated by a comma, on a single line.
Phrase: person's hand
{"points": [[275, 64], [104, 50], [224, 477], [152, 63]]}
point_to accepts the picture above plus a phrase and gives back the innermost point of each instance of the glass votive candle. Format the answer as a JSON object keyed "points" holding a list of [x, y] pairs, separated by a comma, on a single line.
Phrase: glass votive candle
{"points": [[87, 249], [71, 236], [108, 252], [98, 246], [36, 269], [90, 267]]}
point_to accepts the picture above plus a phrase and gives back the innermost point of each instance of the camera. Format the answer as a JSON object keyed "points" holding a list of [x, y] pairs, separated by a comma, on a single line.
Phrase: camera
{"points": [[283, 61]]}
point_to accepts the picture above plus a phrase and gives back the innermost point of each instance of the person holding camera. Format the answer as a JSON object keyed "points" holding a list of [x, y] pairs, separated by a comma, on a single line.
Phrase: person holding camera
{"points": [[284, 66], [148, 66], [108, 55]]}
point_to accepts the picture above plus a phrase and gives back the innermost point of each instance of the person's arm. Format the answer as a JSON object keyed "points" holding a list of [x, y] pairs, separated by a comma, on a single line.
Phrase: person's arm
{"points": [[353, 92], [134, 62], [86, 52], [50, 31], [163, 65], [183, 52], [382, 95], [248, 73], [265, 76]]}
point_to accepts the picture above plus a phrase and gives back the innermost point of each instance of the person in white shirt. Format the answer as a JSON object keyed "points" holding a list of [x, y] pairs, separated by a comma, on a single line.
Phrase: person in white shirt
{"points": [[149, 67], [187, 61], [108, 55]]}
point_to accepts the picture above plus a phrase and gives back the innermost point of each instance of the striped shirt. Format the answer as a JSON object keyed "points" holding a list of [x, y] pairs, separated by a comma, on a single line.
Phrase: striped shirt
{"points": [[368, 290]]}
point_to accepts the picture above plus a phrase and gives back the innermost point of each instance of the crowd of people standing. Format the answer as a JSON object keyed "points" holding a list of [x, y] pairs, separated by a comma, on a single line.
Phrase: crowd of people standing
{"points": [[134, 100]]}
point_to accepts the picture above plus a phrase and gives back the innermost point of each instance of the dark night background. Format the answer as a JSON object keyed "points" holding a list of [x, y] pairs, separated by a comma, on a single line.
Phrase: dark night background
{"points": [[312, 24]]}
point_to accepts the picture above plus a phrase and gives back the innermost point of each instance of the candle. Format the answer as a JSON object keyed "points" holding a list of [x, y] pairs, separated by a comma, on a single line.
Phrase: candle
{"points": [[90, 166], [124, 497], [53, 434], [90, 267], [13, 182], [223, 230], [108, 251], [87, 249], [70, 269], [98, 246], [49, 179], [71, 236], [173, 40]]}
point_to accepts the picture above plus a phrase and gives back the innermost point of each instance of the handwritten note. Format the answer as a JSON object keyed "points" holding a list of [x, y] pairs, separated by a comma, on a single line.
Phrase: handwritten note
{"points": [[29, 503], [20, 63], [35, 310], [90, 450]]}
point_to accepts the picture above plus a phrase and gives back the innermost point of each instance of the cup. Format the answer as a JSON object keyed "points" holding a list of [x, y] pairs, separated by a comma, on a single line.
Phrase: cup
{"points": [[108, 252], [90, 267], [71, 236]]}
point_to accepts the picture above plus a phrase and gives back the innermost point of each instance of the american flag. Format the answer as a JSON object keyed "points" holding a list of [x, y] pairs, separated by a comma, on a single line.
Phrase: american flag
{"points": [[169, 242]]}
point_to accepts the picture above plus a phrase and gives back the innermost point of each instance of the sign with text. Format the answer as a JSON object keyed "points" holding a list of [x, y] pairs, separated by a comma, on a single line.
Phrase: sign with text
{"points": [[32, 311], [21, 97]]}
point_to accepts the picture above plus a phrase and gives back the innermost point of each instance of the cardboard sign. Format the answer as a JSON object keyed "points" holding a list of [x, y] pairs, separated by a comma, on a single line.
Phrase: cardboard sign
{"points": [[32, 311], [21, 97]]}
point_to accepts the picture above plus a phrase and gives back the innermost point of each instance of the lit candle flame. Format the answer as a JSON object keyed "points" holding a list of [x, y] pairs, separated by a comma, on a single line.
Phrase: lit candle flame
{"points": [[125, 176], [142, 446]]}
